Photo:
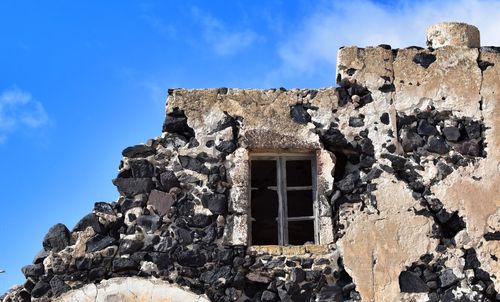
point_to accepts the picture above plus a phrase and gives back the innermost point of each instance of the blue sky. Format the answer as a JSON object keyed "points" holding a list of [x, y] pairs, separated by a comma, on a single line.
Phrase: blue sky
{"points": [[82, 80]]}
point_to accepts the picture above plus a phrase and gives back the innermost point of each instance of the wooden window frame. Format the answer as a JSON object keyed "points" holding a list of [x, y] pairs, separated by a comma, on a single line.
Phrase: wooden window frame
{"points": [[282, 190]]}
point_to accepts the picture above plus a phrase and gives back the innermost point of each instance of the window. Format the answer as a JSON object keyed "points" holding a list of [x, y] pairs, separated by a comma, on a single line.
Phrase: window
{"points": [[283, 199]]}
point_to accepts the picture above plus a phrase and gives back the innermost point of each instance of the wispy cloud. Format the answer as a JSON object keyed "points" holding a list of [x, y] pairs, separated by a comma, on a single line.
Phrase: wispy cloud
{"points": [[364, 22], [19, 110], [222, 39], [159, 25]]}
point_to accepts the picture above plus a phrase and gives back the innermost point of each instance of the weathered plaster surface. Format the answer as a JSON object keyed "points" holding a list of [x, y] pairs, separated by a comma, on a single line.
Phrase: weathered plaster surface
{"points": [[131, 289]]}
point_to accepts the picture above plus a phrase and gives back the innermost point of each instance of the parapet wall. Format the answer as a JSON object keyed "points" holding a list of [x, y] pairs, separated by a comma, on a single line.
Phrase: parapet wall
{"points": [[408, 166]]}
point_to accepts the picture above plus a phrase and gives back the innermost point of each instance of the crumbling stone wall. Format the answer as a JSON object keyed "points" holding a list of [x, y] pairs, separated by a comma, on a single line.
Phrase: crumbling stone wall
{"points": [[408, 174]]}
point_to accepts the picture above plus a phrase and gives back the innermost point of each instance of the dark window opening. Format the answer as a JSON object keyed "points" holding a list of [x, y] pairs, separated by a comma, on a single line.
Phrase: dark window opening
{"points": [[283, 202], [265, 214]]}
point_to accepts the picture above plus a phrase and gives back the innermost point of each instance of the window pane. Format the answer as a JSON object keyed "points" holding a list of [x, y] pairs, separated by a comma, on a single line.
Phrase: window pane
{"points": [[300, 232], [298, 173], [263, 173], [299, 203], [265, 214]]}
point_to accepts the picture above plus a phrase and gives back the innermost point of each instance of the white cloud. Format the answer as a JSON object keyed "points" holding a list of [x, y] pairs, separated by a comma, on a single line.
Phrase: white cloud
{"points": [[222, 39], [19, 110], [364, 23]]}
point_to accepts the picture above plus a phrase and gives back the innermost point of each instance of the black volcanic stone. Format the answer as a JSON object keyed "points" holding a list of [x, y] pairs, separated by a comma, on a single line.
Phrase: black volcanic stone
{"points": [[89, 220], [297, 275], [484, 64], [403, 120], [83, 263], [123, 264], [269, 296], [40, 289], [365, 99], [299, 114], [200, 221], [356, 89], [391, 148], [22, 296], [349, 182], [168, 180], [435, 204], [447, 278], [346, 289], [334, 138], [429, 275], [436, 144], [183, 236], [473, 129], [226, 122], [193, 143], [213, 276], [133, 186], [482, 275], [492, 236], [28, 285], [410, 140], [104, 208], [470, 147], [129, 203], [471, 261], [424, 128], [492, 49], [226, 256], [149, 223], [124, 173], [356, 121], [191, 258], [128, 246], [210, 234], [193, 164], [222, 90], [97, 273], [388, 87], [176, 122], [33, 270], [424, 59], [452, 134], [58, 286], [350, 72], [452, 226], [57, 238], [366, 161], [410, 282], [162, 260], [226, 147], [443, 216], [99, 242], [384, 118], [138, 151], [40, 256], [331, 293], [141, 168], [164, 245], [444, 170], [367, 146], [344, 97], [216, 203]]}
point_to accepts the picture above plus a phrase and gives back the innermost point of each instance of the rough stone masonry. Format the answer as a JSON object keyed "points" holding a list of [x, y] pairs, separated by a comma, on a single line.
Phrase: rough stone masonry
{"points": [[407, 149]]}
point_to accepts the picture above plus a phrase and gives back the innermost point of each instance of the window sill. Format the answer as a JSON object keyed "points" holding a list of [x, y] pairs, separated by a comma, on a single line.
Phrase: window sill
{"points": [[289, 250]]}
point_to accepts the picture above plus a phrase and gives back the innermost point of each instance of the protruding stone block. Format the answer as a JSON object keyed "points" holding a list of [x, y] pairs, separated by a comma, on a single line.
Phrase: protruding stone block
{"points": [[453, 34]]}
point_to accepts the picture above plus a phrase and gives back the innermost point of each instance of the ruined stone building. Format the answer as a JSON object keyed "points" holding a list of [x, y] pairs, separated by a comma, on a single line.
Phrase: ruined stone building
{"points": [[384, 188]]}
